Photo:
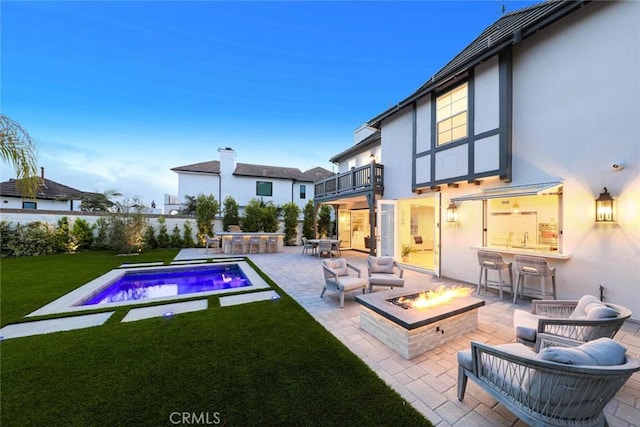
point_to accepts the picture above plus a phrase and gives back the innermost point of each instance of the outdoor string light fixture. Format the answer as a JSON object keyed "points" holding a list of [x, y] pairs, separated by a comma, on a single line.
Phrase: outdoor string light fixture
{"points": [[452, 213], [604, 207]]}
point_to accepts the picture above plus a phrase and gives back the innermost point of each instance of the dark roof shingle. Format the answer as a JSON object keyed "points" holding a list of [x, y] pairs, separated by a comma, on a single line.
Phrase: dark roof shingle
{"points": [[50, 190], [259, 171]]}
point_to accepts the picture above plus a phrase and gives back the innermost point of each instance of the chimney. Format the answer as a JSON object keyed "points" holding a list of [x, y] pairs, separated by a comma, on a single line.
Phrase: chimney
{"points": [[42, 174], [227, 161]]}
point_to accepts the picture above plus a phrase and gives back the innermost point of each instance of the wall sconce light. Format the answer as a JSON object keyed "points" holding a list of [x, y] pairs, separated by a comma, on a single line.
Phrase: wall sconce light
{"points": [[372, 157], [452, 213], [604, 207], [515, 209]]}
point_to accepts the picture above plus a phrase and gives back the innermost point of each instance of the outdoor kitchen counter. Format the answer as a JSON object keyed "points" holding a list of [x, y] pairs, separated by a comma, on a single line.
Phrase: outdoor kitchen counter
{"points": [[227, 236], [520, 251]]}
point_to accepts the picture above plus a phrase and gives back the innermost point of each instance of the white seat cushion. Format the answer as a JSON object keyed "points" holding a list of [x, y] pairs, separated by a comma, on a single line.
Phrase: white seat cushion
{"points": [[385, 280]]}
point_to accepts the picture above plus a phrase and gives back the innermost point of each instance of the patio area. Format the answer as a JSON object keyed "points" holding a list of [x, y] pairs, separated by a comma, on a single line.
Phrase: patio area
{"points": [[427, 381]]}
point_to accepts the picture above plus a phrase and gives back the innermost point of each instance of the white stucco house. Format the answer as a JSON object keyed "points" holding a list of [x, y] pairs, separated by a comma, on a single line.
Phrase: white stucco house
{"points": [[244, 181], [506, 149], [51, 196]]}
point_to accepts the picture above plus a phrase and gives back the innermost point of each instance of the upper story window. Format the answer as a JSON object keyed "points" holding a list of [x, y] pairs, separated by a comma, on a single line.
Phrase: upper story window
{"points": [[29, 205], [303, 191], [451, 114], [264, 188]]}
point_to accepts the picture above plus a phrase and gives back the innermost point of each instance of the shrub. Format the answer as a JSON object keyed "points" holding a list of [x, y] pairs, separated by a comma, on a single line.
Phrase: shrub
{"points": [[206, 209], [35, 238], [150, 241], [231, 215], [260, 216], [126, 226], [82, 233], [176, 239], [324, 221], [308, 229], [291, 213], [163, 233], [187, 235], [101, 240]]}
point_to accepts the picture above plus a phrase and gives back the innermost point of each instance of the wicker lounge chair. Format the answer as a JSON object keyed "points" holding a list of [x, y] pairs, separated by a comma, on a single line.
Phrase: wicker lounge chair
{"points": [[563, 385], [384, 271], [337, 277], [584, 320]]}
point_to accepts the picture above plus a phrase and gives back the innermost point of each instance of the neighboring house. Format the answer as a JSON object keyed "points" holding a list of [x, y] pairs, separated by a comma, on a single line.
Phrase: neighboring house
{"points": [[243, 181], [506, 149], [51, 196]]}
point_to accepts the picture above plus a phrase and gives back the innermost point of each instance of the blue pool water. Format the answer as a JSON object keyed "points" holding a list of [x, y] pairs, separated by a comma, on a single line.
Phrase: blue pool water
{"points": [[142, 285]]}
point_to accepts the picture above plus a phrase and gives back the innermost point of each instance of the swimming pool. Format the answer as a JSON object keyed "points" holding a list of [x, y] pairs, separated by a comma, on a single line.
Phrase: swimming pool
{"points": [[130, 286], [145, 285]]}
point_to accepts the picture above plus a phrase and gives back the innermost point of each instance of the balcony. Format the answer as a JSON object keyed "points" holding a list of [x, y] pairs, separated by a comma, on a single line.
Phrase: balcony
{"points": [[357, 181]]}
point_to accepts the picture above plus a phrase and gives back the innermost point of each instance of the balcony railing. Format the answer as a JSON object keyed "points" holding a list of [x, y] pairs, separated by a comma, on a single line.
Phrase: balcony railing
{"points": [[357, 180]]}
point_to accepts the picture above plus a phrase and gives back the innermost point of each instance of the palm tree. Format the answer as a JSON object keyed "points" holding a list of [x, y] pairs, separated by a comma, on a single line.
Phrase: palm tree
{"points": [[18, 149]]}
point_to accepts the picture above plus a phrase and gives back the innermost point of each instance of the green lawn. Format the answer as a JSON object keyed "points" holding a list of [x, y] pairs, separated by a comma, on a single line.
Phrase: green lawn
{"points": [[265, 363]]}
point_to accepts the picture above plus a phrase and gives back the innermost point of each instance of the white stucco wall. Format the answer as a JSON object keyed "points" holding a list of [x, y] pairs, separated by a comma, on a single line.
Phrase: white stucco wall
{"points": [[56, 205], [397, 153], [575, 110]]}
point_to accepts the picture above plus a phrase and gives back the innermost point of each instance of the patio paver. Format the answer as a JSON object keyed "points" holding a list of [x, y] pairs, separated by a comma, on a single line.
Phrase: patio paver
{"points": [[429, 381]]}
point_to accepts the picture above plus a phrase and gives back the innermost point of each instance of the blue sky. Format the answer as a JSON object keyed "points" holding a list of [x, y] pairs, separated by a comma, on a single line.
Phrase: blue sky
{"points": [[117, 93]]}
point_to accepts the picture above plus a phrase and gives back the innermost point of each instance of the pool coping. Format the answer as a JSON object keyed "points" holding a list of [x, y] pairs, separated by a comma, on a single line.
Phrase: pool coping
{"points": [[66, 303]]}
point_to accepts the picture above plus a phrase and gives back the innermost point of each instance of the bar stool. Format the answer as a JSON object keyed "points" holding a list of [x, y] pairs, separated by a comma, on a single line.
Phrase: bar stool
{"points": [[237, 242], [493, 261], [272, 244], [534, 267], [255, 242]]}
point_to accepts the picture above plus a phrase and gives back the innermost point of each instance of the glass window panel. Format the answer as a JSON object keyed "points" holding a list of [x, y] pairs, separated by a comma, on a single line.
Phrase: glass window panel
{"points": [[458, 132], [444, 137], [459, 120], [459, 106], [451, 112]]}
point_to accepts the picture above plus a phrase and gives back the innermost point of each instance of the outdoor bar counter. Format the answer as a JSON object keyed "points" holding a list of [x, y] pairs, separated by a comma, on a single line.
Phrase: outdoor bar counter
{"points": [[227, 237], [519, 251]]}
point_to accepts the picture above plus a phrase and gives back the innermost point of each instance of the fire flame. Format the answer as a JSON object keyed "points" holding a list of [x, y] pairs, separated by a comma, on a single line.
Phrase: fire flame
{"points": [[440, 296]]}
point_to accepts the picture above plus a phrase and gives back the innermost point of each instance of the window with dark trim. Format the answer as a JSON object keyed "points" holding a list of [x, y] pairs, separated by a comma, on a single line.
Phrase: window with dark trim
{"points": [[29, 205], [451, 114], [264, 188], [303, 191]]}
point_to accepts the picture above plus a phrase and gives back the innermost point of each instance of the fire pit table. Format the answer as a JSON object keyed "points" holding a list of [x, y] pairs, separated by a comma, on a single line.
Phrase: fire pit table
{"points": [[413, 322]]}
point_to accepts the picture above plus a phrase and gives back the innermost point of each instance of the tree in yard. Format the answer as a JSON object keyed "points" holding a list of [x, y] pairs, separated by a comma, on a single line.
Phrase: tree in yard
{"points": [[102, 234], [308, 230], [324, 220], [189, 206], [291, 213], [99, 202], [126, 225], [83, 233], [18, 149], [150, 240], [260, 216], [206, 209], [187, 235], [176, 239], [230, 213], [163, 233]]}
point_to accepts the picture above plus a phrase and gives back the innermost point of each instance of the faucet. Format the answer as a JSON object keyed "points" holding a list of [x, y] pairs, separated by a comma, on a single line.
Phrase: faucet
{"points": [[524, 241]]}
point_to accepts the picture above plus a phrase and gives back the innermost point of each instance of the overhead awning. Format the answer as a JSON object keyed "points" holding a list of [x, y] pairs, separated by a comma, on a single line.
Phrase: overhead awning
{"points": [[513, 191]]}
